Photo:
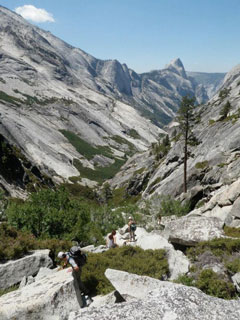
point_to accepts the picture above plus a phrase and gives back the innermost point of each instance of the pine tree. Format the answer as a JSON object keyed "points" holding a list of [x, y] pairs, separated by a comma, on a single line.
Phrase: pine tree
{"points": [[186, 120]]}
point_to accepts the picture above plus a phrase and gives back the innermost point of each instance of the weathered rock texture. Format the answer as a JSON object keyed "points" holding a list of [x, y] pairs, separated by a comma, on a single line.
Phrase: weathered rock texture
{"points": [[213, 163], [161, 300], [48, 86], [193, 229], [51, 298], [12, 272]]}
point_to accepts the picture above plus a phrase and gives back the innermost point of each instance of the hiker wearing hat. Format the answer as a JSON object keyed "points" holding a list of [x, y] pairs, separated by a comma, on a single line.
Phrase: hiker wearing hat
{"points": [[131, 228], [76, 259]]}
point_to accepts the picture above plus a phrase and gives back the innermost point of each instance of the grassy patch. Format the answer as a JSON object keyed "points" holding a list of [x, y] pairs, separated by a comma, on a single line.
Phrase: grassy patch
{"points": [[5, 291], [121, 141], [211, 122], [232, 232], [134, 134], [101, 173], [5, 97], [201, 165], [152, 263], [84, 147]]}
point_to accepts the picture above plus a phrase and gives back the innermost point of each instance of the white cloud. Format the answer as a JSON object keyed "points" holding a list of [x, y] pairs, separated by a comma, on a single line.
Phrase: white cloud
{"points": [[32, 13]]}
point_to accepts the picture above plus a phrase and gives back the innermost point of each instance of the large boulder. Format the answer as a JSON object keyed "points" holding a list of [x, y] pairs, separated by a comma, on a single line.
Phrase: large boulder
{"points": [[50, 298], [193, 229], [160, 300], [12, 272], [177, 261]]}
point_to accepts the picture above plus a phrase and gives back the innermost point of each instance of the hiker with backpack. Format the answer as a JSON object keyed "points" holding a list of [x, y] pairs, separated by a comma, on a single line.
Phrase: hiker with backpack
{"points": [[131, 228], [76, 258]]}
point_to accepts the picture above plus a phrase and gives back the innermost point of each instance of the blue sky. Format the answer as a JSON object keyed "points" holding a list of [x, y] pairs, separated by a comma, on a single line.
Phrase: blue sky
{"points": [[146, 34]]}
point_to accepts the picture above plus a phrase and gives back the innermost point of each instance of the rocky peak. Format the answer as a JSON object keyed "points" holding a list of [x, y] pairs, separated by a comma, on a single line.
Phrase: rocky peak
{"points": [[176, 66]]}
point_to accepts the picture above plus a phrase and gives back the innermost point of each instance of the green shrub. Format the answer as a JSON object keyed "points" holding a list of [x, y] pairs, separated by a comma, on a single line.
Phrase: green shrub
{"points": [[224, 93], [212, 284], [225, 110], [169, 206], [201, 165], [233, 266], [185, 280], [152, 263], [219, 247], [14, 244]]}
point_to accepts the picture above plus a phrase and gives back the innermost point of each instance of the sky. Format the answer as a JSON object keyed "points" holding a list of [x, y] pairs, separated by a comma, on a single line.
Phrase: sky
{"points": [[144, 34]]}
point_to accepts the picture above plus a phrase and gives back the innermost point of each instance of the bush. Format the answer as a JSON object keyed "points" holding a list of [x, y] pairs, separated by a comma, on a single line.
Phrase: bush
{"points": [[201, 165], [233, 266], [185, 280], [225, 110], [152, 263], [212, 284], [169, 206], [14, 244]]}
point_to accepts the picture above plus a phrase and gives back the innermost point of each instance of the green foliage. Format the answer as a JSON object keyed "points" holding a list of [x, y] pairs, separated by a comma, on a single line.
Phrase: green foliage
{"points": [[50, 214], [186, 116], [14, 244], [187, 119], [225, 110], [5, 291], [185, 280], [211, 122], [161, 148], [169, 206], [232, 232], [57, 214], [121, 141], [100, 174], [233, 266], [224, 93], [201, 165], [134, 134], [212, 284], [152, 263], [219, 247], [84, 147], [78, 191], [5, 97]]}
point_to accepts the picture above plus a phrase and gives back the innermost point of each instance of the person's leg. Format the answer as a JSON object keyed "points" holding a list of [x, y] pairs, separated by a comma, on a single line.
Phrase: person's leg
{"points": [[77, 278]]}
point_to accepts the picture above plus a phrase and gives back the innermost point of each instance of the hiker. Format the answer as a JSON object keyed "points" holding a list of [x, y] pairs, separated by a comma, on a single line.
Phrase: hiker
{"points": [[131, 228], [76, 264], [111, 241], [159, 218]]}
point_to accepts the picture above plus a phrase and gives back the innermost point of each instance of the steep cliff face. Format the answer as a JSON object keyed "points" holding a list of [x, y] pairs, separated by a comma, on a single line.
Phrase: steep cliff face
{"points": [[70, 113], [213, 162], [53, 109]]}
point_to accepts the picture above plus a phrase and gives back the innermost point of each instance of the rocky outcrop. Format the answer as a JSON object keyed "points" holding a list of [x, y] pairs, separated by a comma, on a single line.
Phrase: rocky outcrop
{"points": [[51, 298], [12, 272], [160, 300], [190, 230]]}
